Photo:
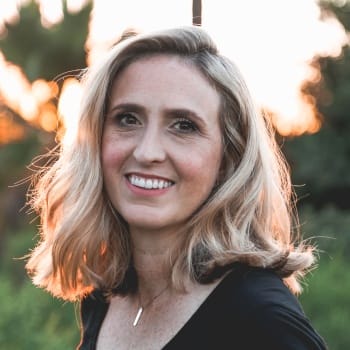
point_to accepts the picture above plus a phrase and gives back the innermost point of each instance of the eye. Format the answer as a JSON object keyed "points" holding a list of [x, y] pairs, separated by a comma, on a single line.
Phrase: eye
{"points": [[185, 126], [127, 120]]}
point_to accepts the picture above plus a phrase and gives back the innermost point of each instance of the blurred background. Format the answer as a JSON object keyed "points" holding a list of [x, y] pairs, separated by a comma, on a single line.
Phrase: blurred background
{"points": [[296, 58]]}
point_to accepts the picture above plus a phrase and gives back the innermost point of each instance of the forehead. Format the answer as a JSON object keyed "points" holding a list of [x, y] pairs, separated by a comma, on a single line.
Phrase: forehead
{"points": [[161, 76], [160, 61]]}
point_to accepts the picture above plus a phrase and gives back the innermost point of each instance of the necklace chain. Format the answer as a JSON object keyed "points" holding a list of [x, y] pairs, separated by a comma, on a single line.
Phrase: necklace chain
{"points": [[142, 308]]}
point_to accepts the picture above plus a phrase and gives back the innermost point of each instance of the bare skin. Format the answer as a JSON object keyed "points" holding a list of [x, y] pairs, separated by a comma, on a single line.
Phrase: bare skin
{"points": [[162, 127], [162, 319]]}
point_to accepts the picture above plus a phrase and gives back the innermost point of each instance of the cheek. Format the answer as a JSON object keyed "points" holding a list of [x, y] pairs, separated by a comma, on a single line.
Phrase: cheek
{"points": [[113, 154], [202, 168]]}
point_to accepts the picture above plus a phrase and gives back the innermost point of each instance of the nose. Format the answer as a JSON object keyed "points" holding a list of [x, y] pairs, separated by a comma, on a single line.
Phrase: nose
{"points": [[149, 148]]}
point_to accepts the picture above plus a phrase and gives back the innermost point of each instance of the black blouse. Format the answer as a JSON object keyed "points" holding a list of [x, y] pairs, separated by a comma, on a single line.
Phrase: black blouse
{"points": [[250, 309]]}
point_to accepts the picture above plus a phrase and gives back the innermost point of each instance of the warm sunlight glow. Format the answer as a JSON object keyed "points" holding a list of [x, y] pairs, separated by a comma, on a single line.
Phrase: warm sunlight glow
{"points": [[28, 107], [272, 42], [9, 10], [26, 99], [9, 131], [43, 90], [13, 85], [68, 108], [74, 6], [51, 12], [48, 117], [110, 18], [9, 13]]}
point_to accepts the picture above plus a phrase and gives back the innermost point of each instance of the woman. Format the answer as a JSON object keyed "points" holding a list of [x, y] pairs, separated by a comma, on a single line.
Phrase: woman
{"points": [[169, 214]]}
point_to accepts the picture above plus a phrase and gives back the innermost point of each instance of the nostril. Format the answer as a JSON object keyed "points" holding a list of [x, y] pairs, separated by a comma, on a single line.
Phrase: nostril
{"points": [[149, 150]]}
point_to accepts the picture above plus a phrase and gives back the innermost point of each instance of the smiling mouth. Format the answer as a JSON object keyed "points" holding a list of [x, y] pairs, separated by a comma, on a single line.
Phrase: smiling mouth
{"points": [[149, 184]]}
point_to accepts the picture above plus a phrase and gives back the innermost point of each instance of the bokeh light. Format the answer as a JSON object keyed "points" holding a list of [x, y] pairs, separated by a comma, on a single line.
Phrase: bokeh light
{"points": [[272, 42]]}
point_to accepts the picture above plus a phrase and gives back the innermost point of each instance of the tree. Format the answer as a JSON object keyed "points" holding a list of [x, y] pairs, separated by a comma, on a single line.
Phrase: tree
{"points": [[321, 161], [46, 53], [27, 323]]}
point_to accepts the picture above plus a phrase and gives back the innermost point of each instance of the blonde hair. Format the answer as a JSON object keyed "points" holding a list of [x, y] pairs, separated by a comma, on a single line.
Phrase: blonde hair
{"points": [[247, 218]]}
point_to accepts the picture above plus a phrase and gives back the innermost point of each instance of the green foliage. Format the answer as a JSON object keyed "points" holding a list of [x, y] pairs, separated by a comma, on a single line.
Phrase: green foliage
{"points": [[14, 179], [12, 259], [329, 229], [326, 294], [341, 9], [321, 164], [45, 53], [31, 318], [321, 161], [326, 301], [15, 155]]}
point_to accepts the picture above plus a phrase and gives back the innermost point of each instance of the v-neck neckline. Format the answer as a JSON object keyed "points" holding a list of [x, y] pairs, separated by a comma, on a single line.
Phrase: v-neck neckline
{"points": [[204, 306]]}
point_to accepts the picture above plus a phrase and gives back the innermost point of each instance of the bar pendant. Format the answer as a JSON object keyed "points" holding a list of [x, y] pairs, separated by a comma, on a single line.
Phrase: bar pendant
{"points": [[138, 315]]}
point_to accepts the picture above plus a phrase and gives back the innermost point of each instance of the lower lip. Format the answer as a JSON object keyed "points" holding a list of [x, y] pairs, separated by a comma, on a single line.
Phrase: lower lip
{"points": [[146, 192]]}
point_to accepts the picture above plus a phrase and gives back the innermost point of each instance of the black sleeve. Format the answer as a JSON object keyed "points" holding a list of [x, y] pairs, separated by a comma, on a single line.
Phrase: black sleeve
{"points": [[280, 327], [274, 316], [251, 309], [93, 310]]}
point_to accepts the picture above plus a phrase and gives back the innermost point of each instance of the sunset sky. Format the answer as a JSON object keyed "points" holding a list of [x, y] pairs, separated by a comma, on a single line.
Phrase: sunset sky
{"points": [[272, 41]]}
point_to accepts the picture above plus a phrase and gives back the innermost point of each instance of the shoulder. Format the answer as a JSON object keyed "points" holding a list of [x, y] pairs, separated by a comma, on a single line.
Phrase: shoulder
{"points": [[257, 288], [260, 302], [93, 309], [93, 302]]}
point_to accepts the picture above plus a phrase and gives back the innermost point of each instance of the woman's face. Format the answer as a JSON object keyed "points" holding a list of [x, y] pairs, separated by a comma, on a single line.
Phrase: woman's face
{"points": [[161, 144]]}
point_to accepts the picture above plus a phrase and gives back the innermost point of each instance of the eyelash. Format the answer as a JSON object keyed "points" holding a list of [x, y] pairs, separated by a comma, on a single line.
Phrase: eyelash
{"points": [[120, 119], [191, 127], [123, 120]]}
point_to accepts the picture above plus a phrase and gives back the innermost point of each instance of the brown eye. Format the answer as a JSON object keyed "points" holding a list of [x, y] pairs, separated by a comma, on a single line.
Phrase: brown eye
{"points": [[127, 119], [185, 126]]}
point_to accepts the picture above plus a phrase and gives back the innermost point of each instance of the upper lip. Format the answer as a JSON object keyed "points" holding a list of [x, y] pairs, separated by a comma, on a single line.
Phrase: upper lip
{"points": [[149, 176]]}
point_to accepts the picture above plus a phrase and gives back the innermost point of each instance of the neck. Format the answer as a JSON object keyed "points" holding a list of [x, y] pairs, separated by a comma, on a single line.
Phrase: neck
{"points": [[153, 271], [151, 261]]}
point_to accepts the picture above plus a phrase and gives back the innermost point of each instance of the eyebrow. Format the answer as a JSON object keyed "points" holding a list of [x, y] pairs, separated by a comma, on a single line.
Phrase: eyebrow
{"points": [[129, 106], [173, 112], [186, 113]]}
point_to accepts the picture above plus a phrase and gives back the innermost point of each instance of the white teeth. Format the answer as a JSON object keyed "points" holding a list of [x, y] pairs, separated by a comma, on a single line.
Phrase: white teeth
{"points": [[155, 183], [149, 183]]}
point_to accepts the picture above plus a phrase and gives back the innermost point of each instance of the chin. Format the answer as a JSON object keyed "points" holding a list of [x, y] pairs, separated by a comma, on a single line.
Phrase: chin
{"points": [[146, 224], [150, 225]]}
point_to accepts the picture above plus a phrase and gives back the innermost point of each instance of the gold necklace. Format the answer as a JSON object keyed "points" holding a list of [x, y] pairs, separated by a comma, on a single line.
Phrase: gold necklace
{"points": [[142, 308]]}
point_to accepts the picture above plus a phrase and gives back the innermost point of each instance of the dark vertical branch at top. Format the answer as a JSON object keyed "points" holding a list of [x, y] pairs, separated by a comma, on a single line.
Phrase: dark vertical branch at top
{"points": [[197, 12]]}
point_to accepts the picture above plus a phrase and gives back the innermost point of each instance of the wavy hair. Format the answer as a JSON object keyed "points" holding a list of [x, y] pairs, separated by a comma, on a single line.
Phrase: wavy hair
{"points": [[247, 218]]}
